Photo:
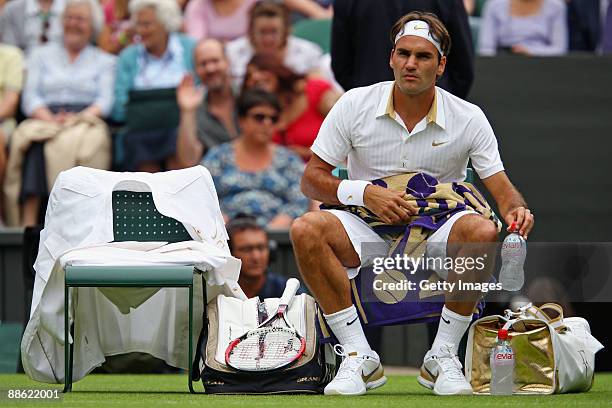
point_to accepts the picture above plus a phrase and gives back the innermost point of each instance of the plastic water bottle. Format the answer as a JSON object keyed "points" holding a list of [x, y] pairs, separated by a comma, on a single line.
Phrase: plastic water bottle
{"points": [[502, 365], [513, 254]]}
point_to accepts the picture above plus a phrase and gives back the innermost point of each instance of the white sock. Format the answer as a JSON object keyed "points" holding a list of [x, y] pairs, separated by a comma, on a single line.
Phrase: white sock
{"points": [[346, 326], [451, 329]]}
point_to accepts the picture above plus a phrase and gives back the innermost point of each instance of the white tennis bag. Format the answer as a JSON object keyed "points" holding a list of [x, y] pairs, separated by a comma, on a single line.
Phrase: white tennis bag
{"points": [[552, 354], [229, 318]]}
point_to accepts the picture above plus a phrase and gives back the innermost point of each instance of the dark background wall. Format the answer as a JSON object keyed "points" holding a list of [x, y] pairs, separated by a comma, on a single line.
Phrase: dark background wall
{"points": [[553, 121]]}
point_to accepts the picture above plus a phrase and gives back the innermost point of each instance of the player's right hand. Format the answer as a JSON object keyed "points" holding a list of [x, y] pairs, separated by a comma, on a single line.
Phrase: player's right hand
{"points": [[391, 206]]}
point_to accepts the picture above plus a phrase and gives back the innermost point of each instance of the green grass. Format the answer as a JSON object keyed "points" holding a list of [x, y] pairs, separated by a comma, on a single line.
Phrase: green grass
{"points": [[101, 391]]}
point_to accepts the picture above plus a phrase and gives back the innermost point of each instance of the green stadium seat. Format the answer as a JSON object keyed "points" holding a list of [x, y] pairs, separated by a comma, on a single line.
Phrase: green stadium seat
{"points": [[126, 205], [317, 31]]}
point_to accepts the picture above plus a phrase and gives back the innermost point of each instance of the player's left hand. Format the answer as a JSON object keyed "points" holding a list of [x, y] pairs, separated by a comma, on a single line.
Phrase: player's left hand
{"points": [[523, 221]]}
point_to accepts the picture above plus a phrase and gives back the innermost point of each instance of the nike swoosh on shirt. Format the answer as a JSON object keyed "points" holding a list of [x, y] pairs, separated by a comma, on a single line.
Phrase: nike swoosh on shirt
{"points": [[434, 144]]}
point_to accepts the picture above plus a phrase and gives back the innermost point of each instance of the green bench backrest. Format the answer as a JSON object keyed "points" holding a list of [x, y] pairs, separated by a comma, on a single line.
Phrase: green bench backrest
{"points": [[135, 218]]}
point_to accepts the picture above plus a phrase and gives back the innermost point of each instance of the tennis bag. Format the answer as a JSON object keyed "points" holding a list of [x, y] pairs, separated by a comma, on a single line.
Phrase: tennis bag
{"points": [[228, 318], [553, 354]]}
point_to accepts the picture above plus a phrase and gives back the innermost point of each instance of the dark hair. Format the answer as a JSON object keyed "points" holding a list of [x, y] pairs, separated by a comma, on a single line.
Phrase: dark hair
{"points": [[256, 97], [240, 223], [286, 77], [436, 28], [269, 8]]}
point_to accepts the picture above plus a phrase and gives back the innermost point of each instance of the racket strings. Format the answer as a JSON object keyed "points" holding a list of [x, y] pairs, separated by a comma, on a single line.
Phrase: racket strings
{"points": [[266, 349]]}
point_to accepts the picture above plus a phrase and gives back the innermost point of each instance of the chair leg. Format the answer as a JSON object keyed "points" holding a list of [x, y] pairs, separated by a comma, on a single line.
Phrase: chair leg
{"points": [[71, 359], [189, 357], [67, 345]]}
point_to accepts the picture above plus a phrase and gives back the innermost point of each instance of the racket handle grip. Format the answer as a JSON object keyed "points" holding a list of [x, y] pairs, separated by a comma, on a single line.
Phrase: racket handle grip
{"points": [[291, 288]]}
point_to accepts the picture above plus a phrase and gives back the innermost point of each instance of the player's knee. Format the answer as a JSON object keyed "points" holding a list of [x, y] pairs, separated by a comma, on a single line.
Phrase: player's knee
{"points": [[306, 230], [484, 231]]}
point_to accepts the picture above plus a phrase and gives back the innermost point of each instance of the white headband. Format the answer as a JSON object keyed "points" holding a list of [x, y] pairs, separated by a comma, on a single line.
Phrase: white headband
{"points": [[419, 28]]}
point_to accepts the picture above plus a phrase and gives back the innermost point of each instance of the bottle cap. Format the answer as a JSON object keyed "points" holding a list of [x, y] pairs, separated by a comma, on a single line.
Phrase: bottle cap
{"points": [[513, 226], [502, 334]]}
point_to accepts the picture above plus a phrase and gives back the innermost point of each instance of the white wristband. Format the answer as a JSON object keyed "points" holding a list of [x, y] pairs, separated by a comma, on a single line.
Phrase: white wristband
{"points": [[350, 192]]}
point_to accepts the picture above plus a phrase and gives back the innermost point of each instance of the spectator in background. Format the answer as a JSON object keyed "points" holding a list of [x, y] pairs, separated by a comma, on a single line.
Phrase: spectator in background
{"points": [[254, 176], [68, 89], [11, 81], [227, 20], [317, 9], [250, 243], [159, 61], [524, 27], [208, 115], [269, 33], [220, 19], [304, 102], [360, 46], [29, 23], [117, 32]]}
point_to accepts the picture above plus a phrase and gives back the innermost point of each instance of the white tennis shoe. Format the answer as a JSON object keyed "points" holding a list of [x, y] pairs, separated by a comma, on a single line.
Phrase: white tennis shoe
{"points": [[357, 373], [441, 372]]}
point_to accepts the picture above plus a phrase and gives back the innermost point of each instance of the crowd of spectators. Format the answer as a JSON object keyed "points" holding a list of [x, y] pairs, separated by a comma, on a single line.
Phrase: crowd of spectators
{"points": [[153, 85]]}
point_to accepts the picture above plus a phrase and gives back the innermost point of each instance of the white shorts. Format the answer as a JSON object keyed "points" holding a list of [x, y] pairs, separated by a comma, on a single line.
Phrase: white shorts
{"points": [[360, 233]]}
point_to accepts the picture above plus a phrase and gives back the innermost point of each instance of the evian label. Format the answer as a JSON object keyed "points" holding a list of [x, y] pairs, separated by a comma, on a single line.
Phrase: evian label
{"points": [[504, 356]]}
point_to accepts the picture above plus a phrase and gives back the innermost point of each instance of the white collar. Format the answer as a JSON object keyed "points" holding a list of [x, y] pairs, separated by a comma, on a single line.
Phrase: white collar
{"points": [[436, 113]]}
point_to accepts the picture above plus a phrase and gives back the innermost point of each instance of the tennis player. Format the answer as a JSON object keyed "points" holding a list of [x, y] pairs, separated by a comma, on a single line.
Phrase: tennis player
{"points": [[389, 128]]}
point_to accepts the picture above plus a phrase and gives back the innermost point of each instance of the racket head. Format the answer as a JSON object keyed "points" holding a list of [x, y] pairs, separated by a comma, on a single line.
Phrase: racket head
{"points": [[265, 349]]}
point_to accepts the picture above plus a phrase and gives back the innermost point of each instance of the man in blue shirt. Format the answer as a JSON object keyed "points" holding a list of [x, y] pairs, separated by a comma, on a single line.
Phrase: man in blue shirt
{"points": [[249, 242]]}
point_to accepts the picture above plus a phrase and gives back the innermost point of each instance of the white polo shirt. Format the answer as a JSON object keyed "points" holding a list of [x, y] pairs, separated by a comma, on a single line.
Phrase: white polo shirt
{"points": [[364, 129]]}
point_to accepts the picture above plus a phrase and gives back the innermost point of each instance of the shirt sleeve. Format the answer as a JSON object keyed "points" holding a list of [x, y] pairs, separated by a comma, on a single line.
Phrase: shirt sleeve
{"points": [[311, 54], [13, 73], [315, 88], [559, 37], [32, 94], [333, 140], [123, 79], [104, 100], [484, 152], [7, 30], [194, 19], [487, 35]]}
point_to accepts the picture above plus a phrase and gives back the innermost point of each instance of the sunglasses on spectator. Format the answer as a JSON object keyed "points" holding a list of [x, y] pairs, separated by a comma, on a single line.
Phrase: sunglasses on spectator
{"points": [[261, 117], [43, 34]]}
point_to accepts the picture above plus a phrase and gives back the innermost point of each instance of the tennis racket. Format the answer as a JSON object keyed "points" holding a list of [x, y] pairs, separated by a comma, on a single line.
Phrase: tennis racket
{"points": [[273, 344]]}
